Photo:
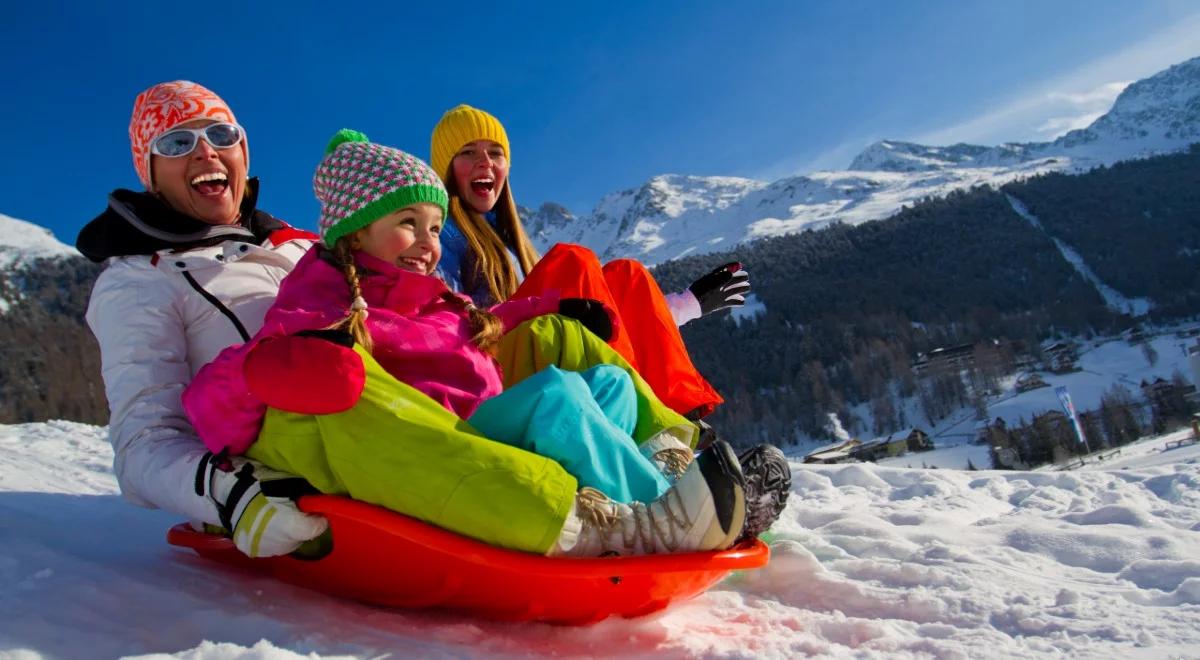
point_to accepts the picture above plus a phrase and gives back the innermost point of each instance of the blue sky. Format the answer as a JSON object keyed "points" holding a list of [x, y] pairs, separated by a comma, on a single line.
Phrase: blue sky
{"points": [[596, 96]]}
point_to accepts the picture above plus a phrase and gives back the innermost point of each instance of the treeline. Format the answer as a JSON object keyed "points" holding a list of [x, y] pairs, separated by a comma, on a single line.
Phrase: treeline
{"points": [[1136, 224], [49, 361], [849, 308]]}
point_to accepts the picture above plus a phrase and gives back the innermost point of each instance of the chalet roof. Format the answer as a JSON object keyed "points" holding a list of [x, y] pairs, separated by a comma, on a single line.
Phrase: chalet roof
{"points": [[1057, 345], [893, 437], [951, 350], [833, 453], [843, 446]]}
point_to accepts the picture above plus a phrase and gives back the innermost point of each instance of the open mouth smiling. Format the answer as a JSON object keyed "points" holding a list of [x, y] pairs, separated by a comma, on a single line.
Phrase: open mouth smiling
{"points": [[212, 183], [483, 186], [416, 264]]}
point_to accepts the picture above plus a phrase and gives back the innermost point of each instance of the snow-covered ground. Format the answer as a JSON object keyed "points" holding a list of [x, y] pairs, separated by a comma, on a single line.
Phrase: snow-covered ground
{"points": [[867, 561]]}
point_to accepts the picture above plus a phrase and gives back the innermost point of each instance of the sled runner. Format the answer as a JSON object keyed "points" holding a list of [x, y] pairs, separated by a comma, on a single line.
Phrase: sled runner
{"points": [[385, 558]]}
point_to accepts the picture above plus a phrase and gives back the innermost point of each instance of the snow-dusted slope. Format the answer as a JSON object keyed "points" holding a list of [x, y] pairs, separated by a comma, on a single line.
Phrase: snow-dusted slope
{"points": [[22, 242], [673, 216]]}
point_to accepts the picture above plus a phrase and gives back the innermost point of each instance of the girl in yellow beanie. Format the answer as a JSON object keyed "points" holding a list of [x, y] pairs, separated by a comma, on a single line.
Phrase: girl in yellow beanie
{"points": [[487, 254]]}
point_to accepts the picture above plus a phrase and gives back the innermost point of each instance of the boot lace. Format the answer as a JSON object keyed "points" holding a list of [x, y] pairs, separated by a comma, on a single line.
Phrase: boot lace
{"points": [[675, 461], [650, 531], [594, 508]]}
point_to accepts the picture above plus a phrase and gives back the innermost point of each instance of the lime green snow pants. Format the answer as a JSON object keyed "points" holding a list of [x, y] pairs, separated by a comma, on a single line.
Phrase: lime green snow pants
{"points": [[400, 449]]}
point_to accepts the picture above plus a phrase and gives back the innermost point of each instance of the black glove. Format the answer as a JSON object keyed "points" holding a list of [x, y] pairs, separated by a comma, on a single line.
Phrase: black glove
{"points": [[591, 313], [726, 286], [339, 337]]}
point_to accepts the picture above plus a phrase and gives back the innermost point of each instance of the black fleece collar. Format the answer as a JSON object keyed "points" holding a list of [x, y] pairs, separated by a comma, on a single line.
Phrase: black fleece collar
{"points": [[140, 223]]}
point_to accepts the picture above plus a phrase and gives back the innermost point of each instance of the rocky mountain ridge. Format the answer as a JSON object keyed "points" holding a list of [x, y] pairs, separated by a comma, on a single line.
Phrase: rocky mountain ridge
{"points": [[673, 216]]}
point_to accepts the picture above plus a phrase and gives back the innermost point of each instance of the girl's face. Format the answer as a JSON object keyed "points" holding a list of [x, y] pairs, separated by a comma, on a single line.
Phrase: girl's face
{"points": [[480, 169], [407, 238]]}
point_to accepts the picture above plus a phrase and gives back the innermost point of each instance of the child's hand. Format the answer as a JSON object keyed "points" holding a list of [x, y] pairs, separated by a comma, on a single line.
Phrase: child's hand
{"points": [[593, 314], [311, 373]]}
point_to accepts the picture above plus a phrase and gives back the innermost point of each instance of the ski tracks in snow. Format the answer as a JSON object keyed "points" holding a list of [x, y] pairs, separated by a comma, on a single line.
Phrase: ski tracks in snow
{"points": [[1114, 299]]}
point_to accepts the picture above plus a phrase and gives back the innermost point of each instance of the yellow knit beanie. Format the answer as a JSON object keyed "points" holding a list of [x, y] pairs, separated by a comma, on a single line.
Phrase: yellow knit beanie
{"points": [[460, 125]]}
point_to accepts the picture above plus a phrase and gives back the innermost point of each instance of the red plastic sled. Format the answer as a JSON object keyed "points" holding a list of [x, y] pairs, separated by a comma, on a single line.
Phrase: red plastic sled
{"points": [[385, 558]]}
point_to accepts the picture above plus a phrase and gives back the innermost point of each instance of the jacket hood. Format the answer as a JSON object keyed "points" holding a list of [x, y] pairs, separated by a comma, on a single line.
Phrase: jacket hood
{"points": [[140, 223]]}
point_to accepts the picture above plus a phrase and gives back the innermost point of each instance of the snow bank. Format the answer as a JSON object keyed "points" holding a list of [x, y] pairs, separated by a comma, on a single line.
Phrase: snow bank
{"points": [[868, 561]]}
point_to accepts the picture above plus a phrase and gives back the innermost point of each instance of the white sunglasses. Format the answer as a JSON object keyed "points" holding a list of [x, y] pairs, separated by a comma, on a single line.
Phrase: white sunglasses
{"points": [[182, 141]]}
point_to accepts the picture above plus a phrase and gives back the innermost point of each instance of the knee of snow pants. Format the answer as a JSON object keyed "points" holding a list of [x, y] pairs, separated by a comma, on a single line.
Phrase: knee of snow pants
{"points": [[400, 449]]}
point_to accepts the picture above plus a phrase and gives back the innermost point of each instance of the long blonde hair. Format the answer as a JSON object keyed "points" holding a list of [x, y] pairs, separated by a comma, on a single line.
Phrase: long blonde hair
{"points": [[490, 246], [487, 328]]}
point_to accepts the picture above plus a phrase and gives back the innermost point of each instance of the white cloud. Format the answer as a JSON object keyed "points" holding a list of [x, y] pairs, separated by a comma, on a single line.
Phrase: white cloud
{"points": [[1079, 110], [1104, 94], [1074, 99], [836, 157], [1039, 116], [1042, 111], [1056, 126]]}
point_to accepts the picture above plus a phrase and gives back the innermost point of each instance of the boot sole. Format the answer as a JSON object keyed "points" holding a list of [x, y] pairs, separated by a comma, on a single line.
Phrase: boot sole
{"points": [[768, 484], [723, 474]]}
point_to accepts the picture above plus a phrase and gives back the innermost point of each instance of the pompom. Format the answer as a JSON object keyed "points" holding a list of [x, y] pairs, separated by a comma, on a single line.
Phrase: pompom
{"points": [[343, 136]]}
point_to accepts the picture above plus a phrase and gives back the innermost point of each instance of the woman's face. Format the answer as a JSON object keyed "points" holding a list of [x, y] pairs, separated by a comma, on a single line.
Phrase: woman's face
{"points": [[207, 184], [408, 238], [480, 169]]}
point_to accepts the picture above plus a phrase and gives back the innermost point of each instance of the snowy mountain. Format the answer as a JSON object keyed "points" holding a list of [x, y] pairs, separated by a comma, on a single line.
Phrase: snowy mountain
{"points": [[1154, 115], [21, 242], [672, 216], [51, 367]]}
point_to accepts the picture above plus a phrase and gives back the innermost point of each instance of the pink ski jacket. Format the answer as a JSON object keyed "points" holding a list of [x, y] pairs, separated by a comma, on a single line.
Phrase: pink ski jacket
{"points": [[419, 337]]}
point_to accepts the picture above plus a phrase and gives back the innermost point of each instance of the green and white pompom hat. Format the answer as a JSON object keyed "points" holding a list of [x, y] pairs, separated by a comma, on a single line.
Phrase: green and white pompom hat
{"points": [[359, 182]]}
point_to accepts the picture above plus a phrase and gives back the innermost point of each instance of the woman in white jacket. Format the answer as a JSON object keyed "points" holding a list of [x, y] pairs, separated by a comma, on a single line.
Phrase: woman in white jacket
{"points": [[192, 266]]}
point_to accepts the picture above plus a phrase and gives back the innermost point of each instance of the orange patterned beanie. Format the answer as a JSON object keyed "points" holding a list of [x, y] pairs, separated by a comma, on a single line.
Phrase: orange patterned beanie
{"points": [[165, 106]]}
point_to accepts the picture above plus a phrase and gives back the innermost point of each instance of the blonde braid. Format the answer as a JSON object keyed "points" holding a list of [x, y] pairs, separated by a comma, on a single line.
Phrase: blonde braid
{"points": [[487, 327], [355, 321]]}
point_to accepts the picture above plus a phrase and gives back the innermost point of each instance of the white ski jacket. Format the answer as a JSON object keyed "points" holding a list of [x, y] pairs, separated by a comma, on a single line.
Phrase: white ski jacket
{"points": [[159, 318]]}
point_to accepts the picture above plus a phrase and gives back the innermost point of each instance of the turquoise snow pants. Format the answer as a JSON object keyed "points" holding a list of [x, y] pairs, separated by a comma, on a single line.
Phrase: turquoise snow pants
{"points": [[584, 420]]}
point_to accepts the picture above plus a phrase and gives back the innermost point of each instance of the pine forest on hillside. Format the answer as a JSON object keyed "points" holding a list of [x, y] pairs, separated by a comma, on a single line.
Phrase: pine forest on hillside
{"points": [[51, 365], [848, 309]]}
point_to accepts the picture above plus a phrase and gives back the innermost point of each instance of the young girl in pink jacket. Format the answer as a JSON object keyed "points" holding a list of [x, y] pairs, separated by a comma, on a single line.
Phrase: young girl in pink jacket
{"points": [[371, 284]]}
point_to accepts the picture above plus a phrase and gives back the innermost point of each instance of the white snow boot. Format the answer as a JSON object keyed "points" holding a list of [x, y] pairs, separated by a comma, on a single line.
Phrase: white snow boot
{"points": [[704, 510], [668, 453]]}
